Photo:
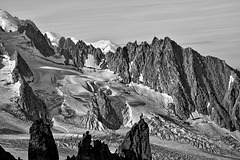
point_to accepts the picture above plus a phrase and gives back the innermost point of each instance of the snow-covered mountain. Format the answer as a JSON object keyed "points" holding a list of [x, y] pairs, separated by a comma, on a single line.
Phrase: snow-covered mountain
{"points": [[8, 22], [104, 45], [54, 37]]}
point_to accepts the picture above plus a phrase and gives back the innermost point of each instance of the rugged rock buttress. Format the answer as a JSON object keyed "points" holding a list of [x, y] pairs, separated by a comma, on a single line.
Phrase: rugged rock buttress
{"points": [[41, 143], [135, 146], [196, 83]]}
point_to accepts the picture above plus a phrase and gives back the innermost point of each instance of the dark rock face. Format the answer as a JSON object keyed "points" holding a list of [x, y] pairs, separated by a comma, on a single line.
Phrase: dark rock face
{"points": [[99, 150], [21, 69], [5, 155], [1, 30], [136, 143], [119, 63], [102, 107], [79, 53], [195, 82], [135, 146], [32, 106], [41, 144], [38, 39]]}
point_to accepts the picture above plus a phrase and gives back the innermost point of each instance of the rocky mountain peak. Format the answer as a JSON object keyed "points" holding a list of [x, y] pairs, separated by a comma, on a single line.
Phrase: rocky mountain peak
{"points": [[38, 39], [135, 146], [41, 143], [195, 82], [136, 143]]}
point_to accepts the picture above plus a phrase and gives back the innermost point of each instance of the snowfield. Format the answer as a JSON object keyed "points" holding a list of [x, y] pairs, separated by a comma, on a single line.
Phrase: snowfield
{"points": [[104, 45]]}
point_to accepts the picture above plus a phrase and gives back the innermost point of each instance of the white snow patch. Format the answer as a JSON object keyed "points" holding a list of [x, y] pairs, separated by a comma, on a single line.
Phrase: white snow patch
{"points": [[74, 39], [130, 120], [161, 98], [141, 78], [208, 105], [6, 71], [195, 115], [231, 80], [90, 62]]}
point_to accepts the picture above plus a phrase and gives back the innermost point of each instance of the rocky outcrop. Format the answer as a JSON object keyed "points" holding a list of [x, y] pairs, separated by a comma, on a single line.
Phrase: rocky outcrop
{"points": [[41, 143], [196, 83], [98, 151], [21, 69], [136, 143], [135, 146], [38, 39], [105, 112], [4, 155], [102, 107], [33, 107], [79, 53]]}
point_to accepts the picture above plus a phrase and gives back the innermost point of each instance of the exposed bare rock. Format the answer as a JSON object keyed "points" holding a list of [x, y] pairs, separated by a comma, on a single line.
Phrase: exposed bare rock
{"points": [[106, 114], [196, 83], [41, 143], [21, 69], [38, 39], [135, 146], [136, 143], [33, 107], [4, 155]]}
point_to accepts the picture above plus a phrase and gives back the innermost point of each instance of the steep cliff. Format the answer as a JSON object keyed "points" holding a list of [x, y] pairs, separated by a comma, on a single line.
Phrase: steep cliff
{"points": [[196, 83], [39, 40], [136, 143], [135, 146], [81, 54], [6, 155], [41, 143]]}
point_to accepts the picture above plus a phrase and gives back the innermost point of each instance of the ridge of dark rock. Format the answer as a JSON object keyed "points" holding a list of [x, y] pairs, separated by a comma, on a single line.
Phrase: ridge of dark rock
{"points": [[195, 82], [21, 69], [102, 107], [33, 107], [135, 146], [79, 52], [4, 155], [41, 143], [136, 143], [37, 38]]}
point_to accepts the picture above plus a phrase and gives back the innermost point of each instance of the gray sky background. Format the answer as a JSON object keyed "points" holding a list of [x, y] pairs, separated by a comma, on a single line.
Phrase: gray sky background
{"points": [[212, 27]]}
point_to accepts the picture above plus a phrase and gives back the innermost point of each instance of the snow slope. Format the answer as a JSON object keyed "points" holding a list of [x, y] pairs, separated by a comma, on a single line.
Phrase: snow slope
{"points": [[105, 45], [8, 22], [54, 37]]}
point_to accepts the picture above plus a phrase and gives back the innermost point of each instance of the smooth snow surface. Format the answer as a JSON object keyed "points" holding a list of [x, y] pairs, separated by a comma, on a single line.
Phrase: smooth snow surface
{"points": [[8, 22]]}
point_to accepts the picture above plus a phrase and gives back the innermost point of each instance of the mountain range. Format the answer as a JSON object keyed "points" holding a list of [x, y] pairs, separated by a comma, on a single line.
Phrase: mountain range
{"points": [[187, 100]]}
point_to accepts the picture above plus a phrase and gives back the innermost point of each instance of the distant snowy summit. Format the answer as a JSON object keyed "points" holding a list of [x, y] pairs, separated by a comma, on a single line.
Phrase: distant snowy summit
{"points": [[53, 37], [8, 22], [104, 45]]}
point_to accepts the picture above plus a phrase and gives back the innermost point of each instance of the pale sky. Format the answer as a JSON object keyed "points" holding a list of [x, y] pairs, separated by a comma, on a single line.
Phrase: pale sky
{"points": [[212, 27]]}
